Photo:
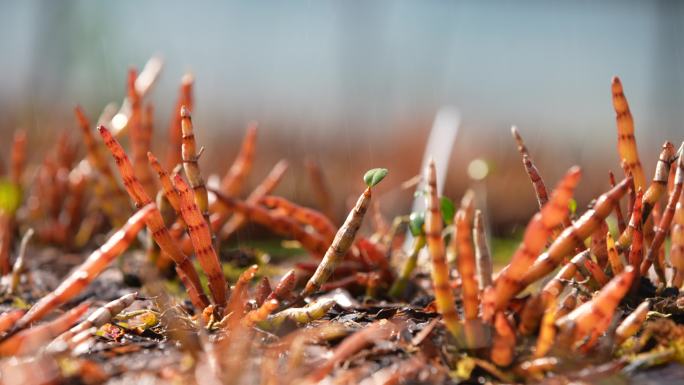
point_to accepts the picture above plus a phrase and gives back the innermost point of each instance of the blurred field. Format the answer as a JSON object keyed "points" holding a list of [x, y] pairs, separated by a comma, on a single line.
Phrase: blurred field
{"points": [[356, 85]]}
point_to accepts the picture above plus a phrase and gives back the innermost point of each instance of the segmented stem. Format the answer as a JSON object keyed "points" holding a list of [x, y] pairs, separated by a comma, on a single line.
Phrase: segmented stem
{"points": [[138, 125], [9, 318], [261, 313], [635, 252], [444, 296], [592, 318], [631, 325], [532, 171], [482, 254], [510, 281], [659, 184], [616, 264], [262, 291], [173, 155], [98, 318], [155, 222], [198, 229], [235, 308], [317, 220], [285, 288], [575, 235], [83, 275], [531, 315], [664, 225], [547, 330], [465, 264], [677, 245], [627, 148], [170, 192], [300, 315], [595, 271], [340, 245], [280, 224], [598, 244], [503, 342], [191, 164], [31, 340], [555, 286]]}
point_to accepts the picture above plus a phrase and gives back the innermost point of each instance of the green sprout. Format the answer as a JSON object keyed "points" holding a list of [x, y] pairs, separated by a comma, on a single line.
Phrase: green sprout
{"points": [[446, 206], [374, 176], [416, 222]]}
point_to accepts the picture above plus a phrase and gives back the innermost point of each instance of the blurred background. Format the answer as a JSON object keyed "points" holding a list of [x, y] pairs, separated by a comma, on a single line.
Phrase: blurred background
{"points": [[357, 84]]}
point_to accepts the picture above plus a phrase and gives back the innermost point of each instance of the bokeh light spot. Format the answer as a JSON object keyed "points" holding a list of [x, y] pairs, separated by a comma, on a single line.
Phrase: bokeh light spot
{"points": [[478, 169]]}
